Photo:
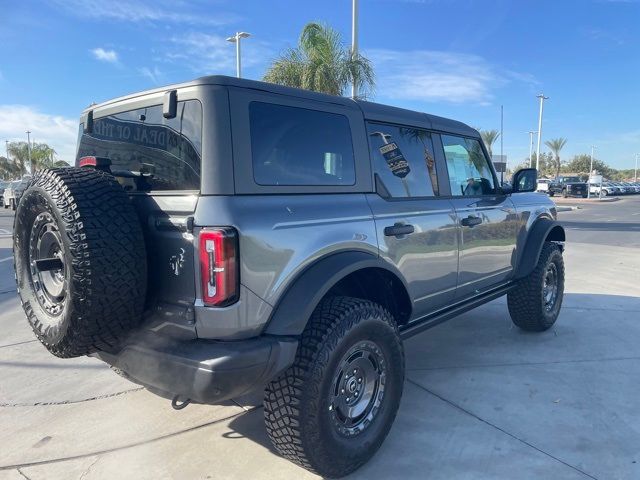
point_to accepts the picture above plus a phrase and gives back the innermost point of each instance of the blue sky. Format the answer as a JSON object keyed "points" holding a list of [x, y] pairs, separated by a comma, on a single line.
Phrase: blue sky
{"points": [[455, 58]]}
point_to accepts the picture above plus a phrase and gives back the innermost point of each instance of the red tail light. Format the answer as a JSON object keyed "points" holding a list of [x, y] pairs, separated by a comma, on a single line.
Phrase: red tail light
{"points": [[219, 266]]}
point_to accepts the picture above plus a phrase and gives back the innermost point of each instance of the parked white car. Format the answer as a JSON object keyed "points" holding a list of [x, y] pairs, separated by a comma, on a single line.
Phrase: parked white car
{"points": [[8, 198], [543, 185]]}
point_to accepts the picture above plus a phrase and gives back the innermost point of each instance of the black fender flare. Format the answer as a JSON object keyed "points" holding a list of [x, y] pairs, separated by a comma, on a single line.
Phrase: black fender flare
{"points": [[542, 230], [291, 314]]}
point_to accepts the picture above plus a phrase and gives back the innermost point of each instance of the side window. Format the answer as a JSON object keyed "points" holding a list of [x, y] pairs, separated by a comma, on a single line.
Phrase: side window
{"points": [[297, 146], [156, 152], [469, 171], [403, 159]]}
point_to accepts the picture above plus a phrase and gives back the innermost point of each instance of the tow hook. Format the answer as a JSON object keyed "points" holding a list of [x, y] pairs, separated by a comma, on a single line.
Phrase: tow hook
{"points": [[179, 405]]}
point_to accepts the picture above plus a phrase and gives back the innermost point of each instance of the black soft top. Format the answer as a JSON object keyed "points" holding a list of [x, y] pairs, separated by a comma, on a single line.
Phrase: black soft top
{"points": [[371, 111]]}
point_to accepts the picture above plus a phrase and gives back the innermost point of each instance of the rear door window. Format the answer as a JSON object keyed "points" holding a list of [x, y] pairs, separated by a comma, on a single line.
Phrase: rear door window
{"points": [[296, 146], [403, 159], [469, 171], [150, 151]]}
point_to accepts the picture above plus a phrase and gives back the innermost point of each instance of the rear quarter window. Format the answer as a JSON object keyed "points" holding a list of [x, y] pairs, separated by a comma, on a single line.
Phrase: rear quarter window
{"points": [[297, 146], [165, 153]]}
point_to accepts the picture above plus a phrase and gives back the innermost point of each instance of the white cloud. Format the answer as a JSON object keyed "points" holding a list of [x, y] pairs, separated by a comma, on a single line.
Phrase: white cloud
{"points": [[152, 74], [105, 55], [212, 54], [58, 132], [155, 11], [436, 76]]}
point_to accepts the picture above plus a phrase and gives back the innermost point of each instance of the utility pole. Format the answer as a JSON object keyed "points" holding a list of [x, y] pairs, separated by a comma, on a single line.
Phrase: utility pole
{"points": [[29, 150], [531, 134], [542, 99], [635, 173], [236, 39], [354, 42], [502, 159], [590, 171]]}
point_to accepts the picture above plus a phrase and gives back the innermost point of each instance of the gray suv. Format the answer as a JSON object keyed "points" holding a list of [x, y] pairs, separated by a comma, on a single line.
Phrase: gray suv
{"points": [[225, 235]]}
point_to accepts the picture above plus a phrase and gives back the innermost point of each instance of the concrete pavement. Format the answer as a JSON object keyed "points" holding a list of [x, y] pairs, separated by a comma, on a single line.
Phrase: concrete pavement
{"points": [[482, 399]]}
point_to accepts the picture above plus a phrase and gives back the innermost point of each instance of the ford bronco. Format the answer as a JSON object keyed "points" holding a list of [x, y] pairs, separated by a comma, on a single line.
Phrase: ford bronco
{"points": [[225, 235]]}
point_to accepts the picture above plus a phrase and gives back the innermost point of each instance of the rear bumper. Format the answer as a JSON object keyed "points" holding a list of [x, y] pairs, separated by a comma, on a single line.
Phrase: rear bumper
{"points": [[202, 370]]}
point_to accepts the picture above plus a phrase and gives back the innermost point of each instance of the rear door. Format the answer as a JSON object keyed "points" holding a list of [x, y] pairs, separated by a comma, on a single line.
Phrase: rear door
{"points": [[157, 160], [487, 218], [416, 228]]}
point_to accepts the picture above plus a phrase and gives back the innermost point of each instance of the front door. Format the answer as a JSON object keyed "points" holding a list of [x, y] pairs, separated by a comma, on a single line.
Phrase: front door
{"points": [[487, 219], [416, 229]]}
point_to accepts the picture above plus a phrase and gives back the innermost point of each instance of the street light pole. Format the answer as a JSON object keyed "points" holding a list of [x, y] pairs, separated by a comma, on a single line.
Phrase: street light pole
{"points": [[590, 170], [236, 39], [354, 42], [635, 173], [531, 134], [542, 99], [29, 149]]}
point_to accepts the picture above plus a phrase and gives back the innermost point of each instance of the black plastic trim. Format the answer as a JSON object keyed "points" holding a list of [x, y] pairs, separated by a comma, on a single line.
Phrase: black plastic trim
{"points": [[203, 371], [536, 237], [291, 314]]}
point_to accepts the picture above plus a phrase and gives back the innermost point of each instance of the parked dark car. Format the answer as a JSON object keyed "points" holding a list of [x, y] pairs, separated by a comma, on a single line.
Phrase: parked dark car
{"points": [[568, 187]]}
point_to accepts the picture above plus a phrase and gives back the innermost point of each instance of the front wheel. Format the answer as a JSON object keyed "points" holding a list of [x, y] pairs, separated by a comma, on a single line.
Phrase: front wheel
{"points": [[551, 194], [332, 409], [534, 304]]}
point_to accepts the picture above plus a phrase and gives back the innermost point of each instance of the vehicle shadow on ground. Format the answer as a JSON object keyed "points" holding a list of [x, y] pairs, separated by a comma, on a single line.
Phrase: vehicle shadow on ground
{"points": [[456, 341]]}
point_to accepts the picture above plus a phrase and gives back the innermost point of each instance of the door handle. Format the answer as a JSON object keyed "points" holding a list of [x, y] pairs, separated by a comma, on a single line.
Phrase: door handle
{"points": [[471, 221], [398, 229]]}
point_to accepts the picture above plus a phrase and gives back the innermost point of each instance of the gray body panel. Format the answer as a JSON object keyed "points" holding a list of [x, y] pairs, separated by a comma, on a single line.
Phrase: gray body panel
{"points": [[284, 230]]}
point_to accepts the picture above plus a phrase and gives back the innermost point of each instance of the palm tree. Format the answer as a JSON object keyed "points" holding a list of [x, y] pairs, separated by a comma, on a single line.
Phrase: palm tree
{"points": [[489, 137], [322, 63], [556, 145]]}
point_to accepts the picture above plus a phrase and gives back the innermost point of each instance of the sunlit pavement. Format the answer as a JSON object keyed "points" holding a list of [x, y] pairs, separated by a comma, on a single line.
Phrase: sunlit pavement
{"points": [[482, 399]]}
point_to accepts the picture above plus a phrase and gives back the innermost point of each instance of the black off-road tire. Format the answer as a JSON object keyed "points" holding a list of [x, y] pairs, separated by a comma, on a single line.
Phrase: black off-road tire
{"points": [[526, 302], [298, 418], [551, 194], [13, 204], [93, 228]]}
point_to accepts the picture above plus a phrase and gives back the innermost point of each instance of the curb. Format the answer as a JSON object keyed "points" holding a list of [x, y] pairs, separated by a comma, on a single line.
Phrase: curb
{"points": [[567, 208]]}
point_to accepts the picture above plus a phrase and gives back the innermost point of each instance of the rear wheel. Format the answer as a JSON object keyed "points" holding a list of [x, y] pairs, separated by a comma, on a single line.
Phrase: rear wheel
{"points": [[534, 304], [332, 409], [80, 261]]}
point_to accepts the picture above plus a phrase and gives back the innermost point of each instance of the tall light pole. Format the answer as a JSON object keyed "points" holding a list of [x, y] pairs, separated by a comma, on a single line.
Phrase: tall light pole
{"points": [[236, 39], [29, 148], [635, 173], [354, 42], [542, 99], [593, 147], [531, 134]]}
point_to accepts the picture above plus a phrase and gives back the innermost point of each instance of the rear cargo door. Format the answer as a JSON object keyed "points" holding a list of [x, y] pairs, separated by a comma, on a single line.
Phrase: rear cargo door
{"points": [[158, 161]]}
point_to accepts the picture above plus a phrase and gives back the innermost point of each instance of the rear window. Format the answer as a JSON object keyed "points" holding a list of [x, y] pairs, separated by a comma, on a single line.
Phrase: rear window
{"points": [[157, 153], [296, 146]]}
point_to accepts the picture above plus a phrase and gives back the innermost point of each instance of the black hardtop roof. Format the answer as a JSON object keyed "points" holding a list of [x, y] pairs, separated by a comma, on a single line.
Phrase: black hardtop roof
{"points": [[370, 110]]}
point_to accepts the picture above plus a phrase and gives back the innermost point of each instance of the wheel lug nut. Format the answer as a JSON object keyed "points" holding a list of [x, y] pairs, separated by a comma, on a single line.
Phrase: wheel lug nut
{"points": [[348, 399], [360, 380], [354, 372], [342, 391]]}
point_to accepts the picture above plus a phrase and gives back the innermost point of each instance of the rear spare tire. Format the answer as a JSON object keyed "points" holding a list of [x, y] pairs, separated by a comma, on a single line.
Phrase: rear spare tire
{"points": [[80, 261]]}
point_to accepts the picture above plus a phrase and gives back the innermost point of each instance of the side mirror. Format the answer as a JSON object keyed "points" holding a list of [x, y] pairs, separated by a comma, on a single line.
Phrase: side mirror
{"points": [[525, 180]]}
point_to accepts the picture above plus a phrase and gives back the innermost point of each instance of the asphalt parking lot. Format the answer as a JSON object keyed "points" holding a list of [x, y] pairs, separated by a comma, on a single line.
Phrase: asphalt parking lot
{"points": [[482, 399]]}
